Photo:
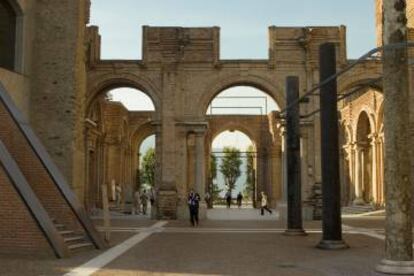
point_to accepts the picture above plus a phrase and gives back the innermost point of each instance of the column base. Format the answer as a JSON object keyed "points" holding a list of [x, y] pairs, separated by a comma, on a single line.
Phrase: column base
{"points": [[395, 267], [166, 204], [332, 245], [295, 232], [359, 201]]}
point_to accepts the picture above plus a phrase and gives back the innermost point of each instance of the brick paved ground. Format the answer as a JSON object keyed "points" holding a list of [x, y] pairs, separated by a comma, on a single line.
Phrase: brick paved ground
{"points": [[219, 248]]}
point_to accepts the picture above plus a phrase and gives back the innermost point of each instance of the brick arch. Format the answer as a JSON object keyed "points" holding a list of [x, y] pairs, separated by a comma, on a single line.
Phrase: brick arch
{"points": [[107, 82], [225, 82]]}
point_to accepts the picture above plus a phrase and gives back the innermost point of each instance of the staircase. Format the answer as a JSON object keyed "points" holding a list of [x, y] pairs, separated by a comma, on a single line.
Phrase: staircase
{"points": [[39, 191], [74, 241]]}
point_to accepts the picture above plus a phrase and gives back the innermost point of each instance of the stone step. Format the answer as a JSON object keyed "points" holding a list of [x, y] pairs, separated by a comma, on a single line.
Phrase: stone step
{"points": [[80, 246], [73, 239], [59, 226], [66, 232]]}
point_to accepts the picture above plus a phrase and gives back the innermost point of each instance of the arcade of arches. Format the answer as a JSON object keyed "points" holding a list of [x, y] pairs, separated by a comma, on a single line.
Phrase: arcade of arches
{"points": [[94, 141]]}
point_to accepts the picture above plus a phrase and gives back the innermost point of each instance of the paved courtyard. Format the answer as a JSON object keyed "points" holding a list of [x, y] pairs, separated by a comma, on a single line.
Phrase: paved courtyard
{"points": [[218, 247]]}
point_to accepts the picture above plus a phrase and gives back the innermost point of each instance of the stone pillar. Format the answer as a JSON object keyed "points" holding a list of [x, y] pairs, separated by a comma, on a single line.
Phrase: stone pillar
{"points": [[331, 195], [374, 146], [282, 205], [381, 168], [200, 163], [398, 193], [358, 175], [284, 167], [200, 171], [294, 185], [349, 172]]}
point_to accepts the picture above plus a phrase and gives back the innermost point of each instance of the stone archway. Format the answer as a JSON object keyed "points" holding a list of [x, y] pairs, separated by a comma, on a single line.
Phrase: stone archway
{"points": [[268, 163], [138, 136], [102, 84], [258, 82], [364, 184]]}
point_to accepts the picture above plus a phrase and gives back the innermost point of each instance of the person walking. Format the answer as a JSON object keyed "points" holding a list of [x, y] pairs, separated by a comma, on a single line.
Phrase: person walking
{"points": [[118, 194], [193, 205], [264, 204], [144, 201], [239, 199], [207, 198], [152, 197], [137, 202], [228, 199]]}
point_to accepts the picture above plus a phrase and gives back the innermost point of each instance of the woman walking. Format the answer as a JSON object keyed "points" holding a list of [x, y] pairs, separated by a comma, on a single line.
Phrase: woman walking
{"points": [[264, 204]]}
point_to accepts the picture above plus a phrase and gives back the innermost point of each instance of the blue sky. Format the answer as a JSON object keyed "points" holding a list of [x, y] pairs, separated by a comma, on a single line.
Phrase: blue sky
{"points": [[243, 23]]}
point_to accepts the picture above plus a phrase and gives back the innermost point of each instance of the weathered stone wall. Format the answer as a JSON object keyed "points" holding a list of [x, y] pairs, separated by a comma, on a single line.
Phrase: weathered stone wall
{"points": [[58, 84], [181, 72]]}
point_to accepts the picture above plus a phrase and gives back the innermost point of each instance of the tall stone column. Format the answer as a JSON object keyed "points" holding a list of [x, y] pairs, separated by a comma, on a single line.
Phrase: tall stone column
{"points": [[381, 168], [294, 222], [200, 163], [284, 167], [398, 192], [331, 190], [200, 171], [358, 174], [374, 147]]}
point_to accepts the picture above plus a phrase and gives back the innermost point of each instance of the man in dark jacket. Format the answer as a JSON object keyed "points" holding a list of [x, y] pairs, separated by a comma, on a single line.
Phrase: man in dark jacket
{"points": [[193, 204]]}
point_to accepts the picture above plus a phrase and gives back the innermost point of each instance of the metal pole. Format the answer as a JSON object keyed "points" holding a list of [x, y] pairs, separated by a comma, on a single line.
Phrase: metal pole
{"points": [[294, 217], [397, 131], [331, 198]]}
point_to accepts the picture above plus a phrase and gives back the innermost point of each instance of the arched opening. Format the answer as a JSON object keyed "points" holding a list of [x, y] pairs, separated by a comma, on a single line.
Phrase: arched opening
{"points": [[364, 160], [132, 99], [247, 111], [146, 163], [242, 100], [115, 139], [233, 169], [10, 32]]}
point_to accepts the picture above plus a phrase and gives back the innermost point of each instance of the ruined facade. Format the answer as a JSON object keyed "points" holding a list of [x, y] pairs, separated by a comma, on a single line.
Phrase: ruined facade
{"points": [[59, 81]]}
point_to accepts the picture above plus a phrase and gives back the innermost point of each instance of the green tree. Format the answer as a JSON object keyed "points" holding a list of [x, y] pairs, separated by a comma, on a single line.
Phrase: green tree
{"points": [[214, 188], [249, 188], [148, 167], [230, 166]]}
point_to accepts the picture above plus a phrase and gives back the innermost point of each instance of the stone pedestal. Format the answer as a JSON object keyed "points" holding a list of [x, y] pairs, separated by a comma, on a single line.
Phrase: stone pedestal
{"points": [[396, 267], [167, 204]]}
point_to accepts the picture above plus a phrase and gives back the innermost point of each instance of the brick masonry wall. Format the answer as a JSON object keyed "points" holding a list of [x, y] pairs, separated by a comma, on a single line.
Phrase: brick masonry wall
{"points": [[58, 85], [35, 173], [19, 232]]}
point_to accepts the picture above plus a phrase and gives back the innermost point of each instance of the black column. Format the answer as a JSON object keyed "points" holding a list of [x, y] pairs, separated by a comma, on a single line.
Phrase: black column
{"points": [[294, 189], [331, 210]]}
